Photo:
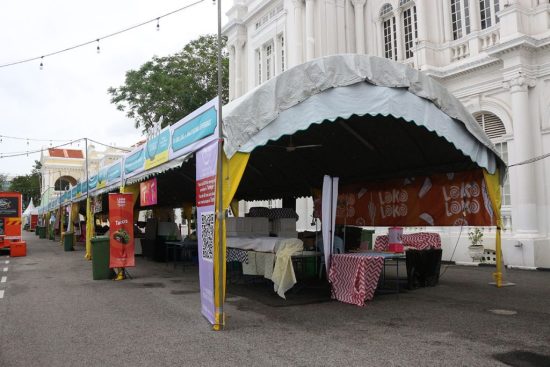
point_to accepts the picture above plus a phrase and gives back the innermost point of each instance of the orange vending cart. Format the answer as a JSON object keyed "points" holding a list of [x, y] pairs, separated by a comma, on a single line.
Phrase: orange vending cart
{"points": [[10, 218]]}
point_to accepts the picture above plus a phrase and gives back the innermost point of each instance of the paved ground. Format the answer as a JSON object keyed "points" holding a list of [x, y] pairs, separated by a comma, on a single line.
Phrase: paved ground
{"points": [[54, 314]]}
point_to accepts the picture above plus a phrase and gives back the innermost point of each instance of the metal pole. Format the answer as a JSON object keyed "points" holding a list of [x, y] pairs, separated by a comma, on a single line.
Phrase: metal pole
{"points": [[220, 257], [89, 215]]}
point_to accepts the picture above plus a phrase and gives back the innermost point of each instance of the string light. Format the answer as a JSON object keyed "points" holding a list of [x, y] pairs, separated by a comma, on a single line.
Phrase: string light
{"points": [[41, 58], [69, 143], [32, 139], [158, 24], [97, 48]]}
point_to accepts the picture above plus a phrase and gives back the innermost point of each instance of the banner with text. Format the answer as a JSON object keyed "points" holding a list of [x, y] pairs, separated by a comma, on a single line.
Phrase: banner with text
{"points": [[121, 214], [452, 199], [207, 159]]}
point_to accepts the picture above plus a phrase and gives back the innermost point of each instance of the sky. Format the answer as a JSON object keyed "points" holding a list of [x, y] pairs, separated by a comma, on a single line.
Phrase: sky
{"points": [[68, 99]]}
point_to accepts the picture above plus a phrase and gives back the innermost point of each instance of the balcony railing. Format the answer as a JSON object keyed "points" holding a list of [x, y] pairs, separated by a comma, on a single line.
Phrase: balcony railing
{"points": [[460, 51], [489, 39]]}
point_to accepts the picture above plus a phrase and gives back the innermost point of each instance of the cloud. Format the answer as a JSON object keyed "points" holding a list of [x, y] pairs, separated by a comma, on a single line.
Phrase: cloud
{"points": [[68, 99]]}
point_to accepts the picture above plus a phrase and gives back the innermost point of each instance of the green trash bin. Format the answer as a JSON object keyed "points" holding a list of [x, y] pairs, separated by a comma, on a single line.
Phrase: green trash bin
{"points": [[52, 234], [366, 236], [100, 258], [42, 234], [68, 241]]}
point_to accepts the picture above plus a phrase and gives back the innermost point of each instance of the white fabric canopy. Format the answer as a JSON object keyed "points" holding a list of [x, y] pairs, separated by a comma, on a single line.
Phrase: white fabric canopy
{"points": [[345, 85], [31, 209]]}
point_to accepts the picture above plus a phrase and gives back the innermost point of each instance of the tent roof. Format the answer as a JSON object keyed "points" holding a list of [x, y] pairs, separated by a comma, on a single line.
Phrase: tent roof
{"points": [[343, 86], [364, 118]]}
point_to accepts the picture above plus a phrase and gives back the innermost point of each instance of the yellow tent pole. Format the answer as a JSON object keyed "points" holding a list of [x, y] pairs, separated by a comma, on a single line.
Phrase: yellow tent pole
{"points": [[89, 229], [493, 188], [232, 172], [61, 223]]}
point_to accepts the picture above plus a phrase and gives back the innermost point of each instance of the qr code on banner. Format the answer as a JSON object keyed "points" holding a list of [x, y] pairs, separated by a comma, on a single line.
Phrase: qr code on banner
{"points": [[207, 226]]}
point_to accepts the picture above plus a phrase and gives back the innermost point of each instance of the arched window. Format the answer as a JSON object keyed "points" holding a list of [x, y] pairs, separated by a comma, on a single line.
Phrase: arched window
{"points": [[410, 29], [460, 18], [488, 10], [495, 130], [389, 31], [63, 183]]}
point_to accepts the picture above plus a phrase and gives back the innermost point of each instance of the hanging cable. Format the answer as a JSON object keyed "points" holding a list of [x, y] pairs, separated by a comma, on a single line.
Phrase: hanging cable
{"points": [[19, 154], [109, 146], [32, 139], [156, 19], [532, 160]]}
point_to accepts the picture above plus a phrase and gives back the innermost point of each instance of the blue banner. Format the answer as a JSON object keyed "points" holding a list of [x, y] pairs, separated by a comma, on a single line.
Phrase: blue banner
{"points": [[134, 162], [114, 173], [194, 130]]}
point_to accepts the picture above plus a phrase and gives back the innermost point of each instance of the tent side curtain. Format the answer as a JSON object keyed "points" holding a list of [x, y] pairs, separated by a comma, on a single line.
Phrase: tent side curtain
{"points": [[232, 172]]}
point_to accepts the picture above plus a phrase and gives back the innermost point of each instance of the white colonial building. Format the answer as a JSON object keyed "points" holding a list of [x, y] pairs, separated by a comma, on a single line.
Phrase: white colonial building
{"points": [[63, 168], [494, 55]]}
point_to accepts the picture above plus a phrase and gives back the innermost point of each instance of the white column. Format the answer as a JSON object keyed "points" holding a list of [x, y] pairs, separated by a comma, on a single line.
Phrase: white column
{"points": [[475, 20], [239, 44], [379, 38], [232, 81], [447, 30], [358, 8], [399, 33], [298, 33], [310, 30], [525, 222], [332, 27], [422, 15], [341, 21]]}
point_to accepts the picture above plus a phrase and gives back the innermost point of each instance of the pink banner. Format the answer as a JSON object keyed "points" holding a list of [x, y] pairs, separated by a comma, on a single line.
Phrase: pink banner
{"points": [[148, 192]]}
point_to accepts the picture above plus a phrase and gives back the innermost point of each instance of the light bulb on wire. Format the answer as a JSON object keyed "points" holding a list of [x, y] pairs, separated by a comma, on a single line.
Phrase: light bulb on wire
{"points": [[97, 48], [158, 24], [41, 62]]}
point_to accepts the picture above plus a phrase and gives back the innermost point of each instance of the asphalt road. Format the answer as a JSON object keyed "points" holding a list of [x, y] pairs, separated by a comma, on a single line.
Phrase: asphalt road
{"points": [[53, 314]]}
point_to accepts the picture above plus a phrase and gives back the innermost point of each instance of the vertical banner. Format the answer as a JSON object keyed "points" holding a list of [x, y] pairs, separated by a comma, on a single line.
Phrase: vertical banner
{"points": [[207, 159], [121, 220]]}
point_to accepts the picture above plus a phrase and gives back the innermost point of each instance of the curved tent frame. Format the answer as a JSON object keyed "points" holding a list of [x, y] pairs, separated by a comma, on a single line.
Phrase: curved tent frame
{"points": [[343, 86]]}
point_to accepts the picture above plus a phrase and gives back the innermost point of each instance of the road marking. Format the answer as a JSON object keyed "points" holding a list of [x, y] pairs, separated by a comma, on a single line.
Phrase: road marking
{"points": [[3, 280], [5, 270], [1, 294], [7, 262]]}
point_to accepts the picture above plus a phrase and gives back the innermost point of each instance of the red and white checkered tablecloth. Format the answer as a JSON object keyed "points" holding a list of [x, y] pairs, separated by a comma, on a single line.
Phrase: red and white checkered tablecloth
{"points": [[354, 278], [419, 241]]}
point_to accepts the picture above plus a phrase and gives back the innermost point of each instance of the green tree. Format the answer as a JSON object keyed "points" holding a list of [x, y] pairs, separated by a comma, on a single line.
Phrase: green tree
{"points": [[28, 185], [173, 86], [3, 181]]}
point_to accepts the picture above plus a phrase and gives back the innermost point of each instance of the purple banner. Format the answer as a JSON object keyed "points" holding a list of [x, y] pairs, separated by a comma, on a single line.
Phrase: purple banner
{"points": [[207, 159]]}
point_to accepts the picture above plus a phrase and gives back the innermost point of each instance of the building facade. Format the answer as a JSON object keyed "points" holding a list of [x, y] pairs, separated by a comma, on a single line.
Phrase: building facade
{"points": [[62, 168], [494, 55]]}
